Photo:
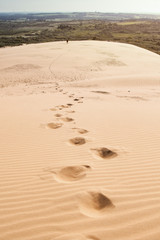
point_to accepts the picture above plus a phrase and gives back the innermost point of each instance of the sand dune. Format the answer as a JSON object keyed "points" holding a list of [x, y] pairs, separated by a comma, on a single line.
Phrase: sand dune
{"points": [[79, 152]]}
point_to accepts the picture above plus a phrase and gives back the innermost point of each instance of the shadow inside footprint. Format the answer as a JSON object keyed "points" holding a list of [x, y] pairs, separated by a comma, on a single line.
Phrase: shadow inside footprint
{"points": [[58, 115], [77, 141], [63, 106], [93, 203], [69, 104], [54, 125], [81, 130], [76, 99], [72, 173], [67, 119], [104, 152], [102, 92]]}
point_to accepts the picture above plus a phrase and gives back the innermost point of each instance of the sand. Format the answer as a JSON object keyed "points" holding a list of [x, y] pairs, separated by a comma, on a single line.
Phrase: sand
{"points": [[79, 134]]}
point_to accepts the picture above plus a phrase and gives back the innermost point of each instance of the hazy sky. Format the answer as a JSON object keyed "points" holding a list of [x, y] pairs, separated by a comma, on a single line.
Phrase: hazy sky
{"points": [[142, 6]]}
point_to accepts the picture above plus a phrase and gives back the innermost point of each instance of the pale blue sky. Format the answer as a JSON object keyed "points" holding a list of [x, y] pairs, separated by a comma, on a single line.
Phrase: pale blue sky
{"points": [[141, 6]]}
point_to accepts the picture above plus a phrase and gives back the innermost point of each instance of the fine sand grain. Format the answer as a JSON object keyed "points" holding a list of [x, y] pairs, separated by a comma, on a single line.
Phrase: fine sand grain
{"points": [[80, 137]]}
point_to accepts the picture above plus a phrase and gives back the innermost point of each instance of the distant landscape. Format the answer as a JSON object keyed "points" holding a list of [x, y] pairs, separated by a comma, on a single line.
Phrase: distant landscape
{"points": [[142, 30]]}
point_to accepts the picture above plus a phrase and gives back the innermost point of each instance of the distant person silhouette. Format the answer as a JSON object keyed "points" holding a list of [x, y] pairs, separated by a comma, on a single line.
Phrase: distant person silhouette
{"points": [[67, 40]]}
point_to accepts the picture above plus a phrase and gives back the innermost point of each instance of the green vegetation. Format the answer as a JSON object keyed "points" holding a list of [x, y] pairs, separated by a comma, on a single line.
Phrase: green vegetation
{"points": [[140, 30]]}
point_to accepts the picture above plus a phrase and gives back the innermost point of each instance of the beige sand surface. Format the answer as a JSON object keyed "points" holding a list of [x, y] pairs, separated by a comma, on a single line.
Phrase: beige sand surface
{"points": [[80, 142]]}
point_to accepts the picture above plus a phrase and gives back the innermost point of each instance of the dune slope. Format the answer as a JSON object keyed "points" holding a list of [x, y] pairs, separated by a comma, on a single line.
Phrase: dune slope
{"points": [[79, 133]]}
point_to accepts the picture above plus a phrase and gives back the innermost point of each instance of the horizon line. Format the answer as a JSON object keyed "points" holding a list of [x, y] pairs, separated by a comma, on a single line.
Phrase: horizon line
{"points": [[27, 12]]}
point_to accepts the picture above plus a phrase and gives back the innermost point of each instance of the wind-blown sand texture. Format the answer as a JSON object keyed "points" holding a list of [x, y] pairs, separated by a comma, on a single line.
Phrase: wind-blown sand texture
{"points": [[80, 142]]}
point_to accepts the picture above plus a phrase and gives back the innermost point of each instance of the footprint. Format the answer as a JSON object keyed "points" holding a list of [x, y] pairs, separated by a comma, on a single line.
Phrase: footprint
{"points": [[71, 95], [58, 115], [77, 141], [104, 152], [70, 111], [54, 125], [102, 92], [76, 99], [67, 119], [72, 173], [81, 130], [93, 204], [69, 104], [63, 106], [53, 109]]}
